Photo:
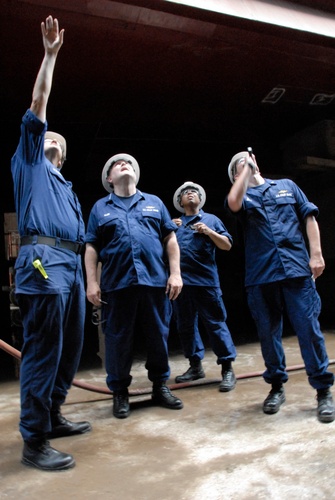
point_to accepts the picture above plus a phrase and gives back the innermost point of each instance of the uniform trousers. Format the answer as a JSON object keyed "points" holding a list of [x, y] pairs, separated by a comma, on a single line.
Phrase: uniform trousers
{"points": [[136, 310], [302, 304], [206, 304], [53, 333]]}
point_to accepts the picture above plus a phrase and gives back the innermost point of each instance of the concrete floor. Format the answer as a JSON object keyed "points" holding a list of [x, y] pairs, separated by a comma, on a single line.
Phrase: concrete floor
{"points": [[220, 446]]}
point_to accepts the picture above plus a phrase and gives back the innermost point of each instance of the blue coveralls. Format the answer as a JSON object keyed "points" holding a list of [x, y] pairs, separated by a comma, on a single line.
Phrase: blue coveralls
{"points": [[201, 296], [134, 273], [278, 277], [52, 309]]}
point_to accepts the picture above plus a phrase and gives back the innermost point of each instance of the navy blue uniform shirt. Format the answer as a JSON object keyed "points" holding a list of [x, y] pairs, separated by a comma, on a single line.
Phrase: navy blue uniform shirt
{"points": [[130, 241], [46, 205], [273, 215], [197, 251]]}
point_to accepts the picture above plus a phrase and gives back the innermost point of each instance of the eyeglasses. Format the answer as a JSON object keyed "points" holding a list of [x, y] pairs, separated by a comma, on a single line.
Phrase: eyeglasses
{"points": [[186, 191]]}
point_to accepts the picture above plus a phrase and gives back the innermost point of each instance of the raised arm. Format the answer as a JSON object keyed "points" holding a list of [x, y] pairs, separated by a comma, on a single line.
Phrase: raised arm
{"points": [[244, 177], [52, 41]]}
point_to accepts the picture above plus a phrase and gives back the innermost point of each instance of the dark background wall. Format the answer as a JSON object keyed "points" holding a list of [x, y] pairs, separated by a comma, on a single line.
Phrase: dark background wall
{"points": [[182, 89]]}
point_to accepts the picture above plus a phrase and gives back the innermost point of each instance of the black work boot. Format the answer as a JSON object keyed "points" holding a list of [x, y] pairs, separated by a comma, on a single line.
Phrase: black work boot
{"points": [[61, 427], [162, 396], [42, 456], [274, 400], [194, 372], [121, 408], [228, 381], [326, 410]]}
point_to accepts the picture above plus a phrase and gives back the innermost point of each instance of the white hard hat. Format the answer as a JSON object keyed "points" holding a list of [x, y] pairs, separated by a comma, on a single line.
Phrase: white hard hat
{"points": [[188, 185], [235, 158], [120, 156]]}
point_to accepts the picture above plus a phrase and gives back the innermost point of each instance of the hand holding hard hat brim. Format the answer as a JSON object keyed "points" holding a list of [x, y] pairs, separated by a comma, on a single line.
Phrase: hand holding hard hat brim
{"points": [[252, 165], [120, 156]]}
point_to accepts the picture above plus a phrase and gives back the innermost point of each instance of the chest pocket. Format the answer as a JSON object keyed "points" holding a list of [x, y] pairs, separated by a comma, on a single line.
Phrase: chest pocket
{"points": [[110, 227], [249, 203], [151, 220], [108, 219], [286, 210]]}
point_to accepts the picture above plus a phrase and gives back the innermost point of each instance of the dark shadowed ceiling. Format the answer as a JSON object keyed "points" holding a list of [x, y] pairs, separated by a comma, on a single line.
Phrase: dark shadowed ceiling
{"points": [[180, 88]]}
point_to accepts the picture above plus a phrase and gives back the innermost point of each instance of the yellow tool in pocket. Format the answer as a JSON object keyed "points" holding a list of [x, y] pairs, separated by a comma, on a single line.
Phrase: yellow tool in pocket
{"points": [[38, 265]]}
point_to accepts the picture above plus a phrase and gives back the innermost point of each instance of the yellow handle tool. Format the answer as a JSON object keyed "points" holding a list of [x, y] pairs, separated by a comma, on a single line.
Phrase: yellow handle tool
{"points": [[38, 265]]}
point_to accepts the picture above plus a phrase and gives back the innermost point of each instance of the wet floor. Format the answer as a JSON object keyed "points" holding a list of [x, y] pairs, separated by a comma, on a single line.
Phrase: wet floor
{"points": [[220, 446]]}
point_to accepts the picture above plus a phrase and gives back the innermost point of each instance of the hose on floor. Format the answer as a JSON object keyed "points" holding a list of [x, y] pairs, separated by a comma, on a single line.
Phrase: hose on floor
{"points": [[138, 392]]}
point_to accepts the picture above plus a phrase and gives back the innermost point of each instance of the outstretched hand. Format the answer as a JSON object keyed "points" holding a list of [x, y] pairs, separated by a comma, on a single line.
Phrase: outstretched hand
{"points": [[52, 37]]}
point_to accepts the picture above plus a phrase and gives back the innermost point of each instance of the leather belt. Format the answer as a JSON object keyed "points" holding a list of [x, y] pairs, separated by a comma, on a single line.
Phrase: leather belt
{"points": [[74, 246]]}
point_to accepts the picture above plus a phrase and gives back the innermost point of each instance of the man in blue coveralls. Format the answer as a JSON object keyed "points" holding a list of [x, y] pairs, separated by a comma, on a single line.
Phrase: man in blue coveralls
{"points": [[131, 233], [280, 274], [48, 274], [199, 234]]}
